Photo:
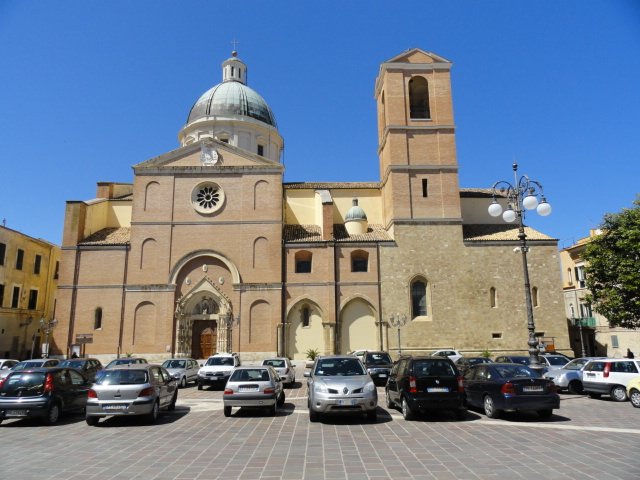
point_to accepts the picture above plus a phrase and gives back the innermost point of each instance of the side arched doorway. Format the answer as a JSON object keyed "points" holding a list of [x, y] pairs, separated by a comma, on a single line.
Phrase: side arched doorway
{"points": [[358, 330]]}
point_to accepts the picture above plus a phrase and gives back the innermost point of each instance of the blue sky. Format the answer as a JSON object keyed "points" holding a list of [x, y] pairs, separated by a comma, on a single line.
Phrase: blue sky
{"points": [[90, 88]]}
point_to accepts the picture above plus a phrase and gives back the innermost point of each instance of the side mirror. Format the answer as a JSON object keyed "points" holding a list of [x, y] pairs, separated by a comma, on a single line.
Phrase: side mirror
{"points": [[307, 374]]}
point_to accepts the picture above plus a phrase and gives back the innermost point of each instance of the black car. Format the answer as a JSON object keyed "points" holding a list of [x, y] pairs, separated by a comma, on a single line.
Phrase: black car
{"points": [[43, 392], [88, 366], [419, 384], [463, 363], [378, 365], [510, 387], [520, 359]]}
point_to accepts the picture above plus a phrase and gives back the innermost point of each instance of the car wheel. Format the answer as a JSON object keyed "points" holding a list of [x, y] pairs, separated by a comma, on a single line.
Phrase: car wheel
{"points": [[634, 396], [407, 413], [92, 421], [183, 382], [172, 405], [372, 415], [390, 403], [595, 395], [619, 393], [490, 409], [153, 415], [53, 414], [199, 386], [281, 399], [273, 409], [313, 416], [227, 411], [545, 413], [575, 386]]}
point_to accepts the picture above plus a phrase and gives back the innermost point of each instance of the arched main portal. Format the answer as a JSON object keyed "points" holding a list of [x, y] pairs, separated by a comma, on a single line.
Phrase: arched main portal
{"points": [[358, 330]]}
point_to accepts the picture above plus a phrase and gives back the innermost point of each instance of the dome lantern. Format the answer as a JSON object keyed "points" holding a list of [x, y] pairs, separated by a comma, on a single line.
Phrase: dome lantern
{"points": [[355, 221]]}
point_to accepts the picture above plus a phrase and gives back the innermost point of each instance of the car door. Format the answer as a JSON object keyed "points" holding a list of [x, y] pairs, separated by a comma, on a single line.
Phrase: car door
{"points": [[79, 389], [192, 373], [392, 381], [170, 385]]}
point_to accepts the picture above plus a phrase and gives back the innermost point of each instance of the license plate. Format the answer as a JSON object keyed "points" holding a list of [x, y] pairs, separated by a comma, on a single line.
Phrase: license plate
{"points": [[115, 407], [16, 413], [350, 402], [248, 389], [532, 389], [383, 375], [438, 389]]}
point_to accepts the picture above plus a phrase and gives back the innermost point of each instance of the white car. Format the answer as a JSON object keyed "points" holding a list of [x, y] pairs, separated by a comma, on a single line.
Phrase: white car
{"points": [[609, 376], [283, 367], [217, 369], [454, 355], [569, 377]]}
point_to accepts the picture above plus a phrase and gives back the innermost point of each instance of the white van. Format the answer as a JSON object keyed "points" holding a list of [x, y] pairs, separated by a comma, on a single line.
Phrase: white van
{"points": [[609, 376]]}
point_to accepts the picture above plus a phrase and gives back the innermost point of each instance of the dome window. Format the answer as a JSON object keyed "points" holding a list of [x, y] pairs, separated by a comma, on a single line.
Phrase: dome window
{"points": [[207, 198]]}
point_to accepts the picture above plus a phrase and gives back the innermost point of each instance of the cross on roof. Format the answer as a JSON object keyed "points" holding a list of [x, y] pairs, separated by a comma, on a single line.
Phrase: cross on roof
{"points": [[235, 43]]}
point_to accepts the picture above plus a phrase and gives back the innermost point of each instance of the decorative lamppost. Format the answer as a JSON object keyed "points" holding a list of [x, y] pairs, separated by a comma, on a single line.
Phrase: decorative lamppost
{"points": [[398, 321], [523, 194], [47, 327], [579, 321]]}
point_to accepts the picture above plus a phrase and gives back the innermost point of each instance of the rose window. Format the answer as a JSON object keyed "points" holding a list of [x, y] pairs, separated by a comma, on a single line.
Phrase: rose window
{"points": [[207, 197]]}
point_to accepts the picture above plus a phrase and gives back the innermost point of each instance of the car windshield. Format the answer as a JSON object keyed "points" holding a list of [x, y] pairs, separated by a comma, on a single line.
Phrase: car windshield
{"points": [[26, 365], [347, 367], [276, 362], [23, 385], [72, 363], [433, 368], [515, 371], [477, 361], [250, 375], [122, 377], [121, 361], [556, 360], [576, 364], [228, 361], [378, 359], [174, 364]]}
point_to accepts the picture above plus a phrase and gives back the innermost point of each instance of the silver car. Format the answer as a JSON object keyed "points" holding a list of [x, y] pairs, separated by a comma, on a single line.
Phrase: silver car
{"points": [[340, 384], [184, 370], [253, 387], [136, 389], [28, 364], [284, 368], [569, 377]]}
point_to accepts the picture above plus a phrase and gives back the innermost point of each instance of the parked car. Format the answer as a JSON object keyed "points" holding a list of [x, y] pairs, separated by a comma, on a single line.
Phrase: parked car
{"points": [[88, 366], [284, 369], [609, 376], [126, 361], [552, 362], [569, 377], [463, 363], [340, 384], [44, 393], [358, 353], [253, 387], [509, 387], [452, 354], [7, 363], [633, 391], [419, 384], [28, 364], [135, 389], [378, 365], [217, 369], [184, 370], [520, 359]]}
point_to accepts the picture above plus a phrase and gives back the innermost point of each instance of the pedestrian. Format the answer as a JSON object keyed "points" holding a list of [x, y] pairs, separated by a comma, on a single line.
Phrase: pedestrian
{"points": [[75, 355], [629, 353]]}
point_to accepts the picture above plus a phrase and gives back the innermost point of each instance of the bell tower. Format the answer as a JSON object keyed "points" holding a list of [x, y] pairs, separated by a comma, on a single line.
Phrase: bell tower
{"points": [[417, 151]]}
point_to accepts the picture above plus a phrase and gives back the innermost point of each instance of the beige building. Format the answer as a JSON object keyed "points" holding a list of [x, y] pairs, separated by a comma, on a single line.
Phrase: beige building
{"points": [[28, 287], [209, 250], [590, 331]]}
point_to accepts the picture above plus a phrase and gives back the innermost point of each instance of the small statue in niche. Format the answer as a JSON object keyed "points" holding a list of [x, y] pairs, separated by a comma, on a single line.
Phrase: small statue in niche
{"points": [[206, 306]]}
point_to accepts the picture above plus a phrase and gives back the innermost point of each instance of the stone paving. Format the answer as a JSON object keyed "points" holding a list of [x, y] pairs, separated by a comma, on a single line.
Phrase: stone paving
{"points": [[585, 439]]}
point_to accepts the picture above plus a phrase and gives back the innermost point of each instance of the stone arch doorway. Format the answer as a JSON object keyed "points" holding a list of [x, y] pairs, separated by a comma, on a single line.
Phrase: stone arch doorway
{"points": [[207, 341], [358, 330]]}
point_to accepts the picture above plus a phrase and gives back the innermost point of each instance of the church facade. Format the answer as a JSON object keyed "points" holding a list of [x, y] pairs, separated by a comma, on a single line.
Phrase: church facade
{"points": [[209, 250]]}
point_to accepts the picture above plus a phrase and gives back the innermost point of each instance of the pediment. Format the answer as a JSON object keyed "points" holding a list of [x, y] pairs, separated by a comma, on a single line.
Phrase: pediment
{"points": [[417, 55], [207, 154]]}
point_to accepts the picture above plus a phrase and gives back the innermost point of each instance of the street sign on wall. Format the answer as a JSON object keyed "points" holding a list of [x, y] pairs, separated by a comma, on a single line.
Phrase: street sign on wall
{"points": [[84, 337]]}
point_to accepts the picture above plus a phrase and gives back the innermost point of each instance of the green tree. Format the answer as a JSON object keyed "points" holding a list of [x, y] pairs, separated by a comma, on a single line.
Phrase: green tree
{"points": [[613, 268]]}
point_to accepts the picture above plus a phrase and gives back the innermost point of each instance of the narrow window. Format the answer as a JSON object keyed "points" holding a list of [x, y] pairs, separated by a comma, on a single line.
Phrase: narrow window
{"points": [[36, 265], [19, 259], [33, 299], [306, 316], [425, 189], [3, 250], [97, 319], [1, 295], [261, 150], [57, 270], [419, 98], [614, 341], [580, 276], [232, 71], [492, 297], [418, 299], [359, 261], [534, 296], [15, 298], [303, 262], [496, 335]]}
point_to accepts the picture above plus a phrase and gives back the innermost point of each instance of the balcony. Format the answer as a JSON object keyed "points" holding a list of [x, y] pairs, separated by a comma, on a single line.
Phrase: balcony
{"points": [[585, 322]]}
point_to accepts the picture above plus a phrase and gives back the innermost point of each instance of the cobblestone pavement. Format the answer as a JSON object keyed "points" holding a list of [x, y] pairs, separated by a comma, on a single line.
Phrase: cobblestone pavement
{"points": [[585, 439]]}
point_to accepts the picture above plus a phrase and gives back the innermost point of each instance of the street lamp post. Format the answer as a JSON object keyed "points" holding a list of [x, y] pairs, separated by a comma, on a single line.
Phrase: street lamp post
{"points": [[523, 194], [47, 327], [398, 321], [579, 320]]}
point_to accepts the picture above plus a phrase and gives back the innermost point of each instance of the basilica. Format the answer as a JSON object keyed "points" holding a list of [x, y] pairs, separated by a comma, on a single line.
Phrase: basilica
{"points": [[209, 250]]}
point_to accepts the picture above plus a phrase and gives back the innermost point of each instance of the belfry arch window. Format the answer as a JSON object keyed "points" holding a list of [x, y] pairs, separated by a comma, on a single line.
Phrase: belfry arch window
{"points": [[303, 261], [418, 298], [419, 98]]}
